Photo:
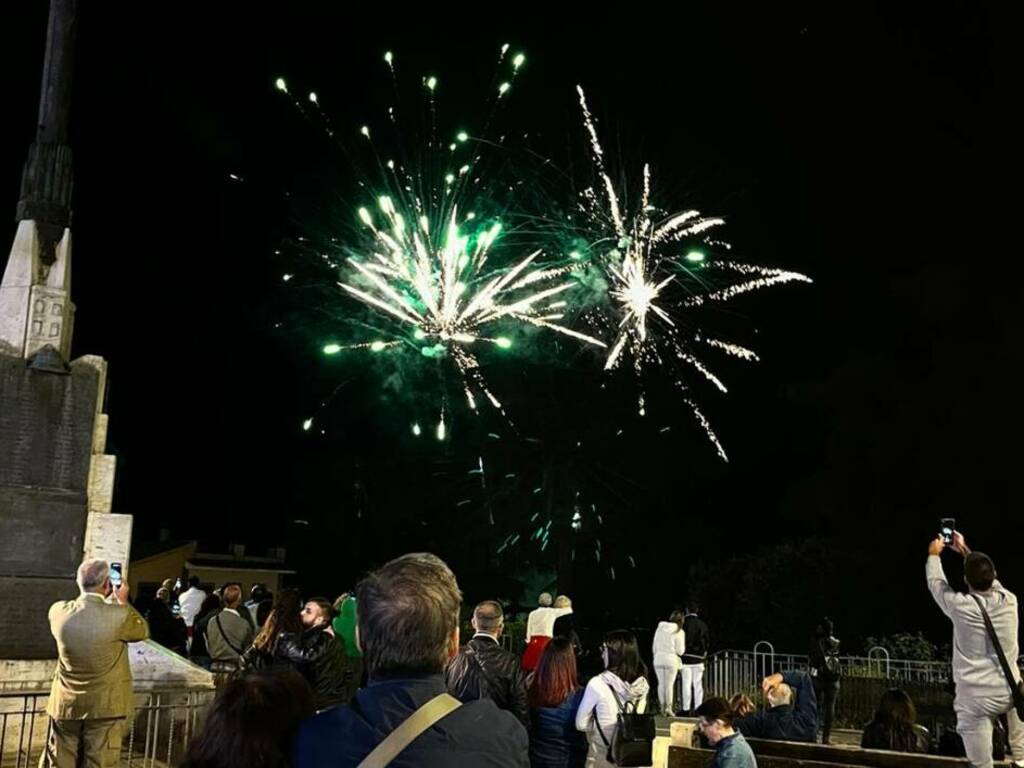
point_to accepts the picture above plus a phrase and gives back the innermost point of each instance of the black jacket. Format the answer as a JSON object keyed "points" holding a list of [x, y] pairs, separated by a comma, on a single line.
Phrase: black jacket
{"points": [[698, 639], [477, 734], [796, 722], [823, 659], [484, 670], [318, 655]]}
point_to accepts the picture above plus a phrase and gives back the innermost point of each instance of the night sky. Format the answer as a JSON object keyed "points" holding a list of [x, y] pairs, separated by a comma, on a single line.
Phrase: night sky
{"points": [[867, 147]]}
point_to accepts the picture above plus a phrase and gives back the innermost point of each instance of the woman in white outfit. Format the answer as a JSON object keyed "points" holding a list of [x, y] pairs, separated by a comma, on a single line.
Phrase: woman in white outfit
{"points": [[669, 645], [624, 680]]}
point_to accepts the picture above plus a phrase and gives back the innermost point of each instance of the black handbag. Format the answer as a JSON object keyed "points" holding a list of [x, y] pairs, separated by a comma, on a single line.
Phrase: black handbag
{"points": [[1016, 688], [633, 741]]}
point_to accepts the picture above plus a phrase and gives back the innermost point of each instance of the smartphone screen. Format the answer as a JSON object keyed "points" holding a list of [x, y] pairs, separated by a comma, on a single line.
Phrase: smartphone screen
{"points": [[115, 574], [946, 526]]}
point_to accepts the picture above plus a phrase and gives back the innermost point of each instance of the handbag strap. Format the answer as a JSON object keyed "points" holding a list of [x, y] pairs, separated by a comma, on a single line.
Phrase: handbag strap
{"points": [[227, 640], [1010, 679], [415, 724]]}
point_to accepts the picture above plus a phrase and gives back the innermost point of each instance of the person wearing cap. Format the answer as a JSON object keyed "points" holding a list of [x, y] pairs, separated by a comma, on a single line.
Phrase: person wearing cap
{"points": [[982, 691], [716, 723]]}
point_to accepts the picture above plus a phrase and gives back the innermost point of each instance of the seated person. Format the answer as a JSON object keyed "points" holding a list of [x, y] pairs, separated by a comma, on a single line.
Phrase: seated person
{"points": [[792, 713], [895, 725]]}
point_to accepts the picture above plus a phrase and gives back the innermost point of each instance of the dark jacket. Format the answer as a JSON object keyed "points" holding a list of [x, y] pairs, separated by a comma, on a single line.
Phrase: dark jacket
{"points": [[733, 752], [879, 735], [554, 740], [166, 628], [698, 639], [256, 659], [565, 626], [484, 670], [823, 659], [198, 650], [318, 655], [475, 734], [796, 722]]}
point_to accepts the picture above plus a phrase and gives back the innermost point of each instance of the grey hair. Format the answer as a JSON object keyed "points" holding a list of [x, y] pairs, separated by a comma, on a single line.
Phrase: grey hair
{"points": [[488, 616], [783, 694], [544, 601], [92, 574]]}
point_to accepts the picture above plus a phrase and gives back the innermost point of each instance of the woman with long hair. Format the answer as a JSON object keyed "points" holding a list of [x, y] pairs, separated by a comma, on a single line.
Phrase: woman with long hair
{"points": [[252, 722], [895, 725], [554, 696], [285, 616], [623, 682]]}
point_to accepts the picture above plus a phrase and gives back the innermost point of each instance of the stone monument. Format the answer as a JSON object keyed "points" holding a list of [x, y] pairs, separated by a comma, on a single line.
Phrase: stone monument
{"points": [[56, 480]]}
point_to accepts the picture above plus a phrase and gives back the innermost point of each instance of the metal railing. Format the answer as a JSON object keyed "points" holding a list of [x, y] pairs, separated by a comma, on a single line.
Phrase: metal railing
{"points": [[158, 735], [731, 671]]}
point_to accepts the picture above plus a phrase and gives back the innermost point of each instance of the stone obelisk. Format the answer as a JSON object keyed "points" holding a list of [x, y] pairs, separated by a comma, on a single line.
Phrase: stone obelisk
{"points": [[56, 481]]}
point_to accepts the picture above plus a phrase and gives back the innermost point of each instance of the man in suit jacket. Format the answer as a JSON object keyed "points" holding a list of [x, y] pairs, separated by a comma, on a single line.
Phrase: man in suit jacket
{"points": [[91, 695]]}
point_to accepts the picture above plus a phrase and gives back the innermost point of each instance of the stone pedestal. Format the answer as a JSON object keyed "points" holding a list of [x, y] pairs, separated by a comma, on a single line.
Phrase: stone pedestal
{"points": [[54, 479]]}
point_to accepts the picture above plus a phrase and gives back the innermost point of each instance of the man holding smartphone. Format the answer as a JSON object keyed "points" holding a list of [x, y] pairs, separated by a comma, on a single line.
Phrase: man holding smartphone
{"points": [[982, 691], [91, 695]]}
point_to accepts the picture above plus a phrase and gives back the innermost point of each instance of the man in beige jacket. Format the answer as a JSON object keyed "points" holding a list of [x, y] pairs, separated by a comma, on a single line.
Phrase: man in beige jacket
{"points": [[91, 695]]}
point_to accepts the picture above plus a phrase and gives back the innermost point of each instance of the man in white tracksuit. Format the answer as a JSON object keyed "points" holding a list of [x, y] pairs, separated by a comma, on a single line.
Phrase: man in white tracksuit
{"points": [[982, 692]]}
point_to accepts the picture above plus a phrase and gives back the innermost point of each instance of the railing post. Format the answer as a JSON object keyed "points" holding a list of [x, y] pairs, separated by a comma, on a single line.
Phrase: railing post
{"points": [[883, 654]]}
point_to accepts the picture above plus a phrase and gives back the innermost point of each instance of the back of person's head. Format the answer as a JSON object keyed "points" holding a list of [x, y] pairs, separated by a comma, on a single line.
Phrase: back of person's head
{"points": [[92, 575], [257, 592], [825, 628], [896, 706], [717, 708], [283, 617], [210, 602], [168, 584], [780, 695], [896, 718], [624, 655], [555, 678], [252, 722], [488, 617], [193, 581], [691, 607], [232, 595], [544, 601], [677, 617], [163, 595], [979, 571], [408, 616], [563, 601]]}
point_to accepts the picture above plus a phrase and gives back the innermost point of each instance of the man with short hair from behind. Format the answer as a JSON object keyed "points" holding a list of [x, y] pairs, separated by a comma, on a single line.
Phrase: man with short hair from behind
{"points": [[483, 669], [190, 601], [982, 690], [408, 629], [228, 635], [91, 695]]}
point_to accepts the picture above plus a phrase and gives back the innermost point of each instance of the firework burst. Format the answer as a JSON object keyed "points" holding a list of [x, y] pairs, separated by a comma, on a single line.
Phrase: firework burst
{"points": [[653, 279], [432, 257]]}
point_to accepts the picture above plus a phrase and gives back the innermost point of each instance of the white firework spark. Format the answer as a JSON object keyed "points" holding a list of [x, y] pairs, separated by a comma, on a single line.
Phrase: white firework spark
{"points": [[440, 286], [643, 265]]}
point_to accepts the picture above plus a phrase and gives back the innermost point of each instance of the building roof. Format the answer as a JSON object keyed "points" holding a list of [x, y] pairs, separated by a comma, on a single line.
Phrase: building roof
{"points": [[265, 564]]}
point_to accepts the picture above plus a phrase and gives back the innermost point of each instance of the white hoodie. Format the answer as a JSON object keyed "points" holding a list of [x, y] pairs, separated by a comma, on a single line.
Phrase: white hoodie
{"points": [[669, 645], [599, 708]]}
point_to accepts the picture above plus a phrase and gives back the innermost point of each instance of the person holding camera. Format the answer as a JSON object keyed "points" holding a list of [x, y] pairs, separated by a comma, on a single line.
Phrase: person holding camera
{"points": [[984, 635]]}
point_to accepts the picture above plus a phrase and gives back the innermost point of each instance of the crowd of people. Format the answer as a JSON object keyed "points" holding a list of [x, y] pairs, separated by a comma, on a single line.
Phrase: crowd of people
{"points": [[383, 677]]}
